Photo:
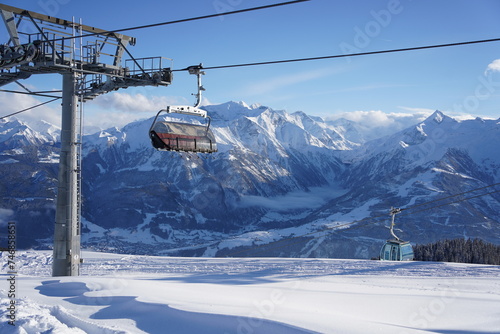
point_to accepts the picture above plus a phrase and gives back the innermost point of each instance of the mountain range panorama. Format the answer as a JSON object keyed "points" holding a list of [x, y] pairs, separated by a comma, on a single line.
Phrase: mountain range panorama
{"points": [[281, 185]]}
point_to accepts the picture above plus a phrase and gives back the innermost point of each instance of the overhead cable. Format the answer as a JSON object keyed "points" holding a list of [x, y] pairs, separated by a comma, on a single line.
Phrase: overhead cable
{"points": [[447, 197], [109, 32], [346, 55], [33, 107], [286, 242], [454, 202], [41, 94]]}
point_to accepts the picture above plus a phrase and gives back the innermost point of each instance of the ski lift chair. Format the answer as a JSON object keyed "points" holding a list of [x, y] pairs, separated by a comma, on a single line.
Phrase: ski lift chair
{"points": [[184, 137]]}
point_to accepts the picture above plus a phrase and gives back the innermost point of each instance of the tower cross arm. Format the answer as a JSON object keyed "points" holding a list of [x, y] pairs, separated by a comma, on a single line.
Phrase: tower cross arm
{"points": [[58, 21]]}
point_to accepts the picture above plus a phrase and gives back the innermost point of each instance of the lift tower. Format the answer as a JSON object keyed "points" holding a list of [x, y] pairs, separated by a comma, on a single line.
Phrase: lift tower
{"points": [[90, 62]]}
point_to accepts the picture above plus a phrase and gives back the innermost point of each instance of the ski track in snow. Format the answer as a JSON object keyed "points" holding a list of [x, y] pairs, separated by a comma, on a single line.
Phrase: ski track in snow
{"points": [[122, 294]]}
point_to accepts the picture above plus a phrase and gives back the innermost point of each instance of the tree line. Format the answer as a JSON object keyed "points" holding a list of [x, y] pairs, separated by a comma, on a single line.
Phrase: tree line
{"points": [[459, 250]]}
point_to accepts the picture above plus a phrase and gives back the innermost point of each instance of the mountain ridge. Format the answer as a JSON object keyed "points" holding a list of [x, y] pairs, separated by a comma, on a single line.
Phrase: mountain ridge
{"points": [[142, 201]]}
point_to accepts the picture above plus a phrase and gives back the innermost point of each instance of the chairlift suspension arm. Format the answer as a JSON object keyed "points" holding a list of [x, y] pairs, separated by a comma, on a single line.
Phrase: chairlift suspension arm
{"points": [[196, 69], [188, 110], [394, 212], [185, 137]]}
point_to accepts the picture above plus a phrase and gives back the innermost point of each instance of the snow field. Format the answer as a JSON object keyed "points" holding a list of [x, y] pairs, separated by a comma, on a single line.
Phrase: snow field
{"points": [[143, 294]]}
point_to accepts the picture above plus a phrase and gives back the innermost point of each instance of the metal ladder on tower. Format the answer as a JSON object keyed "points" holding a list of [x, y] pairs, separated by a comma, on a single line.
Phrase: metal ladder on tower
{"points": [[80, 84]]}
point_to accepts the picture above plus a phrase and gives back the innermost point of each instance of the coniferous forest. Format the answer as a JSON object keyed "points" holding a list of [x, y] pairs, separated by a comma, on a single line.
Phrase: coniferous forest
{"points": [[459, 250]]}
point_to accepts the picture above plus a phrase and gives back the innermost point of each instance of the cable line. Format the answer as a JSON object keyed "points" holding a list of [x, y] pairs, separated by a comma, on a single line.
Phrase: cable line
{"points": [[108, 32], [359, 223], [332, 229], [447, 197], [276, 245], [298, 59], [33, 107], [436, 46], [345, 55], [460, 200], [365, 221], [41, 94], [210, 16]]}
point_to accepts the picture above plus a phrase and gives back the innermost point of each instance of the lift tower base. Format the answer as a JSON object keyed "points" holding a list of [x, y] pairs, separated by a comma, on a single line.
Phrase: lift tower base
{"points": [[66, 254]]}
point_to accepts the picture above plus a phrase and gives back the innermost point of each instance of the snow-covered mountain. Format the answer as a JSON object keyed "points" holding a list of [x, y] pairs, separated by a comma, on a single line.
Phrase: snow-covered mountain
{"points": [[15, 134], [184, 199], [435, 159], [280, 185]]}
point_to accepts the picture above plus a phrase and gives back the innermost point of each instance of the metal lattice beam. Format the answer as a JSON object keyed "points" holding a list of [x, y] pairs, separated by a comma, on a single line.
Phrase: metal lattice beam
{"points": [[80, 60]]}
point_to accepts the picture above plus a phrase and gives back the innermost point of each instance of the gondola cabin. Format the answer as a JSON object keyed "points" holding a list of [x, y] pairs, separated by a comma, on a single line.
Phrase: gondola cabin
{"points": [[174, 136], [397, 250]]}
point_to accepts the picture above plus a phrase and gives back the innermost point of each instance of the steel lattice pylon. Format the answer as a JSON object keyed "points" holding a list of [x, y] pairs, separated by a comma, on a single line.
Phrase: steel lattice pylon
{"points": [[90, 62]]}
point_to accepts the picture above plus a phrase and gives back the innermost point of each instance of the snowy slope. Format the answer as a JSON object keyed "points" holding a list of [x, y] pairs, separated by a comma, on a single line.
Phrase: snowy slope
{"points": [[141, 294]]}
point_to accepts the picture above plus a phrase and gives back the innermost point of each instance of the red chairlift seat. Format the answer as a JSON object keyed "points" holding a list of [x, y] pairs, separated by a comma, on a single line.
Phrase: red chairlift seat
{"points": [[183, 137]]}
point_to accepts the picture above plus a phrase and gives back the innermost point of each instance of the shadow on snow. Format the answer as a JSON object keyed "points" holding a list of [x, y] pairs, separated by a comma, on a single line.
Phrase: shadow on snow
{"points": [[160, 318]]}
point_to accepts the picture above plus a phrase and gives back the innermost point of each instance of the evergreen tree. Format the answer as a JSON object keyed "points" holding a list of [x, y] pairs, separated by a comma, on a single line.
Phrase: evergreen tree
{"points": [[459, 250]]}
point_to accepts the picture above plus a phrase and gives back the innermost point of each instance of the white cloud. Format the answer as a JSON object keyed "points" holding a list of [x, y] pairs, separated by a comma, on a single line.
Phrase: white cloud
{"points": [[425, 111], [118, 109], [108, 119], [311, 199], [135, 103], [378, 118], [494, 66], [109, 110], [376, 123], [12, 103]]}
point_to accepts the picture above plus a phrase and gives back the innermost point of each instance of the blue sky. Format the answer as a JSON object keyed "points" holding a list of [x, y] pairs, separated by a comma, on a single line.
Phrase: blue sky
{"points": [[455, 80]]}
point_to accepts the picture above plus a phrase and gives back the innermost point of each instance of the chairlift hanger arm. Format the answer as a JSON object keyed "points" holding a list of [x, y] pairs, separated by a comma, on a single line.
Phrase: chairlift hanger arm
{"points": [[191, 110], [394, 212], [197, 70]]}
